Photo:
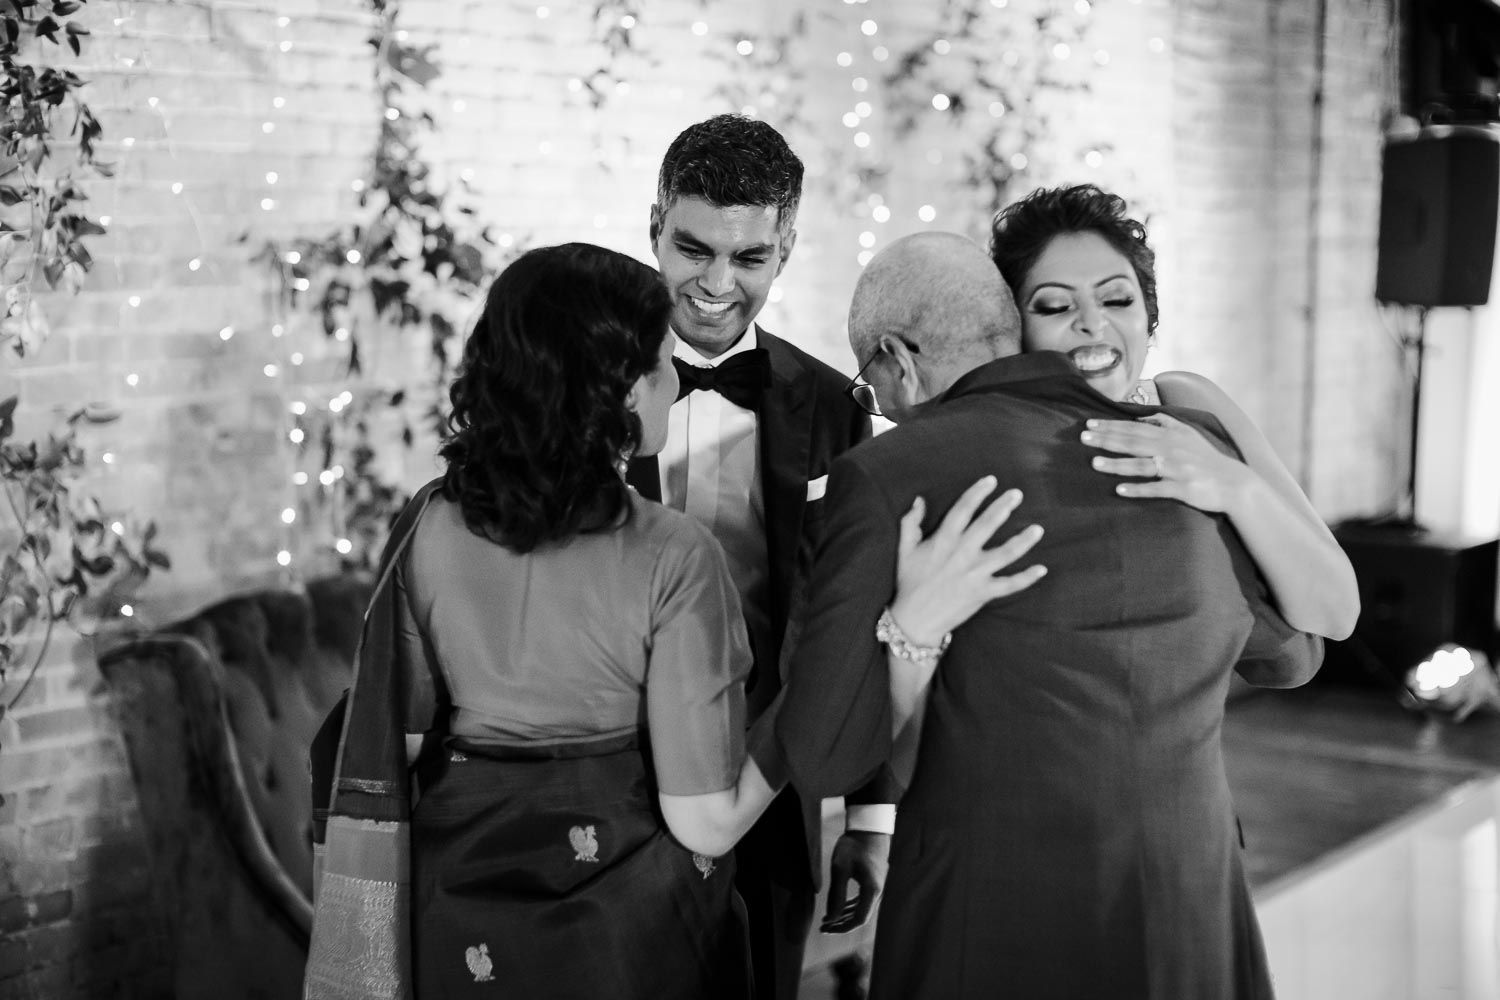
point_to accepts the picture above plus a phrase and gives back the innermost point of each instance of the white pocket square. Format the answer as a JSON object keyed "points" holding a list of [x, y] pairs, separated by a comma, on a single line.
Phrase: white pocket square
{"points": [[817, 488]]}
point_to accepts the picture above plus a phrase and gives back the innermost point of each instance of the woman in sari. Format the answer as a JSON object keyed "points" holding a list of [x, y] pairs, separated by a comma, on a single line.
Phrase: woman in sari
{"points": [[566, 662]]}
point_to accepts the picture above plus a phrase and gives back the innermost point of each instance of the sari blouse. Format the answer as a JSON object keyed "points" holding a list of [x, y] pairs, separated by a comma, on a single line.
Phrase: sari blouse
{"points": [[598, 635]]}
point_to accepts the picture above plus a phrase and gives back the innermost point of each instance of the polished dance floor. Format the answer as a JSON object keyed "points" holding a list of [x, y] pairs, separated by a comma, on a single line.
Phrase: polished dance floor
{"points": [[1370, 844]]}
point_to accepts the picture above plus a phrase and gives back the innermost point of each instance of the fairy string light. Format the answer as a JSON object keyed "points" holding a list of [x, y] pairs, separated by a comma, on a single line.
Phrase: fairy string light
{"points": [[1009, 105], [409, 265]]}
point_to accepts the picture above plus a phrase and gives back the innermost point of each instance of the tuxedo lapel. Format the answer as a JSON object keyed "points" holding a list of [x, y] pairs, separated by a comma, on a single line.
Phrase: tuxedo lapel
{"points": [[786, 420], [644, 474]]}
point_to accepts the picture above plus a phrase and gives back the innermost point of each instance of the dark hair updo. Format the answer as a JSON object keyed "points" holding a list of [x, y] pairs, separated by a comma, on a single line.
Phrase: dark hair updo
{"points": [[539, 421], [1022, 230]]}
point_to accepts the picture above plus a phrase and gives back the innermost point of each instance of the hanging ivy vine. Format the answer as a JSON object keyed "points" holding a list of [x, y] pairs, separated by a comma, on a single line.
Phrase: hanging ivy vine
{"points": [[43, 226], [988, 75], [413, 264], [613, 24], [59, 547], [996, 75]]}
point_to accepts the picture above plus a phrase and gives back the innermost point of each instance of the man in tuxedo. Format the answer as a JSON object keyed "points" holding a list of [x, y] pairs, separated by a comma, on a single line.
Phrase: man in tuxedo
{"points": [[749, 444], [1067, 830]]}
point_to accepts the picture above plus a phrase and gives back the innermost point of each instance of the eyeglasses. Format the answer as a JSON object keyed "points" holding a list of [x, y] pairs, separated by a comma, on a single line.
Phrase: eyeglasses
{"points": [[862, 392]]}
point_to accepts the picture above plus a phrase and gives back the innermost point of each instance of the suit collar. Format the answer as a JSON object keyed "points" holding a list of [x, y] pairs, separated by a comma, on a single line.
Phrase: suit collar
{"points": [[786, 365], [1046, 372], [1015, 368]]}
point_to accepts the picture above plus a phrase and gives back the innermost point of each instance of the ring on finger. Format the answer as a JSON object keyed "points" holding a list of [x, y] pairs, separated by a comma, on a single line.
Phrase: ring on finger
{"points": [[1161, 472]]}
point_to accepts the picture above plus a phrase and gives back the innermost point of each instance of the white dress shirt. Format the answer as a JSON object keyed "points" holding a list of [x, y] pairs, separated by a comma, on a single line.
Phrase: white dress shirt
{"points": [[710, 468]]}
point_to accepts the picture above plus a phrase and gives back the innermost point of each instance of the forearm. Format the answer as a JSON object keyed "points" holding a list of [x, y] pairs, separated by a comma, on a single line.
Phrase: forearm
{"points": [[752, 794], [1310, 578], [907, 740], [909, 684], [714, 822]]}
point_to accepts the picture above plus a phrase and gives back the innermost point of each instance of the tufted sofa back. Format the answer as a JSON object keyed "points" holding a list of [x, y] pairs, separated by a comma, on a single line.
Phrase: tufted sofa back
{"points": [[217, 713], [287, 657]]}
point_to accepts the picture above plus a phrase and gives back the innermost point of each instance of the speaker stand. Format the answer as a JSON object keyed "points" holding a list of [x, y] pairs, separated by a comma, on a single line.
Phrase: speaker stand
{"points": [[1415, 344]]}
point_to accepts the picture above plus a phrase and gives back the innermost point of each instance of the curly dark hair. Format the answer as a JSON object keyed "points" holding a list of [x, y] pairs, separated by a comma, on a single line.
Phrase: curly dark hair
{"points": [[539, 421], [1022, 230], [731, 160]]}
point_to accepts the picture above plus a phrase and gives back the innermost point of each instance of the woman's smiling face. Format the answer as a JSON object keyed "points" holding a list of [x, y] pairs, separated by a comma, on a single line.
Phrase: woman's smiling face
{"points": [[1082, 297]]}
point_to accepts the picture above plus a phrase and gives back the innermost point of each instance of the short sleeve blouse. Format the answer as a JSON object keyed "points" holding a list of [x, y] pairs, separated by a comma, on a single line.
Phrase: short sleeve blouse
{"points": [[590, 637]]}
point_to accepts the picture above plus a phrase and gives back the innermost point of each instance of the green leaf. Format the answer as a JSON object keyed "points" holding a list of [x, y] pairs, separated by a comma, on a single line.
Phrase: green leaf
{"points": [[98, 566], [10, 196], [87, 227], [47, 28], [414, 64]]}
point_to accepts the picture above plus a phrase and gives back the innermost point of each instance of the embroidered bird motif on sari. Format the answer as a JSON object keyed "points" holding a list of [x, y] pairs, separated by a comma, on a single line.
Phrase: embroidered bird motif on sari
{"points": [[584, 843]]}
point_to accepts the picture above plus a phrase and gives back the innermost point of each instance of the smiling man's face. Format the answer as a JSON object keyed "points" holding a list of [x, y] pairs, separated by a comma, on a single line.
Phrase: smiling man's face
{"points": [[719, 264]]}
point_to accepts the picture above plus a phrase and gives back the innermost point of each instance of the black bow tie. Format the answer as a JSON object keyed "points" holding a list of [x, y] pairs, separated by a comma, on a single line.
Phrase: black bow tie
{"points": [[741, 379]]}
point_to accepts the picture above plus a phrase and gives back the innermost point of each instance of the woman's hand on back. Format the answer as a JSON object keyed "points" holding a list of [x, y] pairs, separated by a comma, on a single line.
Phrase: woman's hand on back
{"points": [[1178, 461], [943, 579]]}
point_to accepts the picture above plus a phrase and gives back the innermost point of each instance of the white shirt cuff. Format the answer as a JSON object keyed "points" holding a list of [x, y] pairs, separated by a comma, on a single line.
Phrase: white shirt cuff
{"points": [[872, 818]]}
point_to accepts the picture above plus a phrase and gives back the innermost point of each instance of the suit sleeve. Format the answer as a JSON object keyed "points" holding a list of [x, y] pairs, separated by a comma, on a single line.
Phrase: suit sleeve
{"points": [[830, 730], [1276, 655], [883, 788]]}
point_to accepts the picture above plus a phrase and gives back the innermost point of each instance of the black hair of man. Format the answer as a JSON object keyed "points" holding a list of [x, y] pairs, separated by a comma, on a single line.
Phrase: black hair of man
{"points": [[731, 160]]}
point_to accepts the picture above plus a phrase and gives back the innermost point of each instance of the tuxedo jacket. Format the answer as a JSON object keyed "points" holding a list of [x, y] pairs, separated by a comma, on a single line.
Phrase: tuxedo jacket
{"points": [[804, 422]]}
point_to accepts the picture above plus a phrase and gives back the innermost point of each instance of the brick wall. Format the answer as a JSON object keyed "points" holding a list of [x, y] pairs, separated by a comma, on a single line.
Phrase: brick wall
{"points": [[1205, 109], [1262, 218]]}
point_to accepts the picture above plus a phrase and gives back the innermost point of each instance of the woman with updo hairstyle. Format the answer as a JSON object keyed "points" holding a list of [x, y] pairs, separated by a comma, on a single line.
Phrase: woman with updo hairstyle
{"points": [[1083, 276]]}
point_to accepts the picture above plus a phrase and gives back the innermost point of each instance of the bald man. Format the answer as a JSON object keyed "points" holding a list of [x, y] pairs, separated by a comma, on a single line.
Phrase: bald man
{"points": [[1067, 831]]}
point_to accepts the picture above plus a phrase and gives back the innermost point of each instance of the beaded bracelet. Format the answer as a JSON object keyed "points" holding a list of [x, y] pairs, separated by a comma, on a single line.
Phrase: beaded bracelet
{"points": [[888, 632]]}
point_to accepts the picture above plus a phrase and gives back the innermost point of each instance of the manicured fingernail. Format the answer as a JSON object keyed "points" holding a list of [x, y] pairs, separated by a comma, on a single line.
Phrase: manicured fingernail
{"points": [[1088, 437], [1097, 462], [1091, 423]]}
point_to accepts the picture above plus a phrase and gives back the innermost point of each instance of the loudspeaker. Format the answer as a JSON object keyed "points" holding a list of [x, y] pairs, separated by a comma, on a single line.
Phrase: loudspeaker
{"points": [[1438, 204], [1417, 590]]}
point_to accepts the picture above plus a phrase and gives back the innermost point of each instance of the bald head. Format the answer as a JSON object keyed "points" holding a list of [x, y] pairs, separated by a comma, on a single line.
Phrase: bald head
{"points": [[941, 292]]}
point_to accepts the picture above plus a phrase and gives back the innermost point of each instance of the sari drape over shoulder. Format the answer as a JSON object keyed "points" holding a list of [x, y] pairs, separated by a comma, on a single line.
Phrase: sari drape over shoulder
{"points": [[543, 868]]}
